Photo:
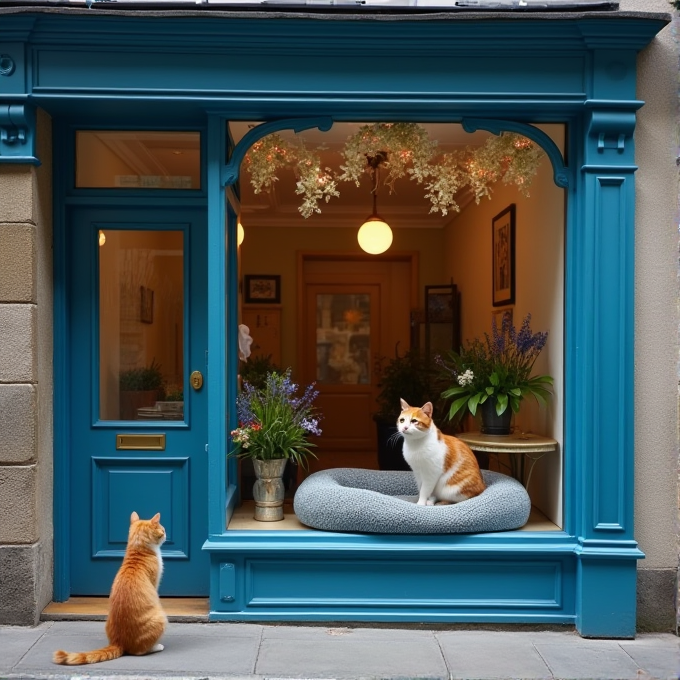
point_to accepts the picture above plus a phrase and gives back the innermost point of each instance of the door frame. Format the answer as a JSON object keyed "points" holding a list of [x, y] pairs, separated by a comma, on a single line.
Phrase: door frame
{"points": [[66, 196]]}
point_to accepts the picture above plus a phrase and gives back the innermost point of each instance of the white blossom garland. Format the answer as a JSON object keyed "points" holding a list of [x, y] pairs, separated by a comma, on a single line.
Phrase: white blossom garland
{"points": [[509, 157]]}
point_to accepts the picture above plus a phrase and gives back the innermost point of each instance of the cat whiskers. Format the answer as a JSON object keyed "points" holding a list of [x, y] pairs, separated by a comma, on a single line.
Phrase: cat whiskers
{"points": [[395, 438]]}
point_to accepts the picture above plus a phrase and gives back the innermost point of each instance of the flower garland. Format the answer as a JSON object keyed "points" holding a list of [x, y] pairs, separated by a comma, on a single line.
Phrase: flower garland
{"points": [[509, 157]]}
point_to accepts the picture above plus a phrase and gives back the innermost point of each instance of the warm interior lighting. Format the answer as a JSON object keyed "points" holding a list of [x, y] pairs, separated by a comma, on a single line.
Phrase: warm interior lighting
{"points": [[102, 238], [375, 235], [240, 233]]}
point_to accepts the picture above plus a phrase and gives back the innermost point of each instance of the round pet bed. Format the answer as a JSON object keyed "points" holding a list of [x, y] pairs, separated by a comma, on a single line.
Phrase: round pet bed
{"points": [[384, 502]]}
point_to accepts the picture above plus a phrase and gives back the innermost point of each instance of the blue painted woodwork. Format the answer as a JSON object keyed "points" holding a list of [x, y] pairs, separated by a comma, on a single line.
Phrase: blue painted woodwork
{"points": [[491, 73], [107, 484]]}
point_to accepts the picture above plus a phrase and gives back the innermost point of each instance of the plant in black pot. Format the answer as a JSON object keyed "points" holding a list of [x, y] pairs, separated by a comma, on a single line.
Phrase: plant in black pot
{"points": [[494, 375], [140, 387], [410, 377]]}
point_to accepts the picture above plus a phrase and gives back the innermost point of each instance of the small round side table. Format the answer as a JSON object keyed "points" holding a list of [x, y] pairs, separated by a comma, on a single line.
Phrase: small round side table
{"points": [[528, 445]]}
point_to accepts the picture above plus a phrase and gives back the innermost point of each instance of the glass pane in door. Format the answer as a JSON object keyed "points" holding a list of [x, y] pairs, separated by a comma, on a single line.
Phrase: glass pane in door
{"points": [[141, 325], [343, 333]]}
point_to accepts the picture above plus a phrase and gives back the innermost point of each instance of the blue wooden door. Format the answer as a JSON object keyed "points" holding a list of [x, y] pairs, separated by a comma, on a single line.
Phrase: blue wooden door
{"points": [[138, 428]]}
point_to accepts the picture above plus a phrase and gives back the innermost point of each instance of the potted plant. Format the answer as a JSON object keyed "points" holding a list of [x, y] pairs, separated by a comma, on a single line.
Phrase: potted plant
{"points": [[274, 426], [410, 377], [494, 375], [139, 387]]}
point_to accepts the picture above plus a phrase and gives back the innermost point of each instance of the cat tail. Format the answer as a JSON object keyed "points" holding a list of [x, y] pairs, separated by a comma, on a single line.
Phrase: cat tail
{"points": [[95, 656]]}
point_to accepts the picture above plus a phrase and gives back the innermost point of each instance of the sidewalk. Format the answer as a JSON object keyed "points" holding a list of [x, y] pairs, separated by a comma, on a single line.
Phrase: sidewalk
{"points": [[268, 652]]}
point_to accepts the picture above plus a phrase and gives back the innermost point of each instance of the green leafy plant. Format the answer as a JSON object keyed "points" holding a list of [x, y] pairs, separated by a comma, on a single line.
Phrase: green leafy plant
{"points": [[256, 368], [175, 395], [274, 422], [498, 367], [410, 376], [142, 379]]}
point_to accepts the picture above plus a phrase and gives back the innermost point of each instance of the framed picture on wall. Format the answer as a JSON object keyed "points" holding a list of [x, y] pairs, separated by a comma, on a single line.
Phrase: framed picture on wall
{"points": [[503, 257], [265, 288]]}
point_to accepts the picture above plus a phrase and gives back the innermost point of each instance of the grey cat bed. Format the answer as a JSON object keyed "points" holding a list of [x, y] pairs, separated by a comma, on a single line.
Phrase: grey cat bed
{"points": [[384, 502]]}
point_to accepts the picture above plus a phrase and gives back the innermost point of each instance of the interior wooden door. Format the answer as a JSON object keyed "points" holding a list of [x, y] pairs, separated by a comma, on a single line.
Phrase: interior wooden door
{"points": [[343, 339]]}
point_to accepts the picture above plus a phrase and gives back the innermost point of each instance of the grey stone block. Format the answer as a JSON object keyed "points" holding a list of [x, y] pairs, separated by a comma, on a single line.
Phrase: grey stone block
{"points": [[17, 263], [514, 655], [16, 189], [346, 652], [17, 504], [17, 585], [18, 356], [656, 600], [18, 423]]}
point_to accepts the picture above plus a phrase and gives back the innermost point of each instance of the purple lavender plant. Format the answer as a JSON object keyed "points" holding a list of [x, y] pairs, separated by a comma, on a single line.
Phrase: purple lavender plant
{"points": [[498, 368], [274, 422]]}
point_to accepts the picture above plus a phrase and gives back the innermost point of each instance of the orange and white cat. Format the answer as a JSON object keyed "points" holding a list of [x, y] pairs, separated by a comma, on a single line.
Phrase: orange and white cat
{"points": [[136, 619], [445, 468]]}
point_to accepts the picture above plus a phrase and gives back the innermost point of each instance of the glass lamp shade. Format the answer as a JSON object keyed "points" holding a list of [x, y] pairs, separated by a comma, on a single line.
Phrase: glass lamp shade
{"points": [[375, 235], [102, 238], [240, 233]]}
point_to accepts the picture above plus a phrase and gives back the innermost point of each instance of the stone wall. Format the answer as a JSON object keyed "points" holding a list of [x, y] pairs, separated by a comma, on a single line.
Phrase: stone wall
{"points": [[26, 313]]}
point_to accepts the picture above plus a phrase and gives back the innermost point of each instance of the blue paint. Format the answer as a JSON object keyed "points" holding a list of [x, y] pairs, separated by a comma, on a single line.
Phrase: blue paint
{"points": [[580, 72], [107, 484]]}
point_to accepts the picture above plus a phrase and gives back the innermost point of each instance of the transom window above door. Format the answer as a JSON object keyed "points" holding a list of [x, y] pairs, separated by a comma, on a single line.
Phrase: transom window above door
{"points": [[129, 159]]}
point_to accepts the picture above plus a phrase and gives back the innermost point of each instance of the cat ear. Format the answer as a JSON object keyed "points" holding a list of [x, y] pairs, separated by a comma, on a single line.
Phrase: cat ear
{"points": [[427, 409], [134, 517], [404, 405], [156, 518]]}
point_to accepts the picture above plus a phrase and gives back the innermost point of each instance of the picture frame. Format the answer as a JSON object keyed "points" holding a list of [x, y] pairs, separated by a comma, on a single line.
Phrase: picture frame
{"points": [[503, 257], [262, 288], [146, 305], [442, 318]]}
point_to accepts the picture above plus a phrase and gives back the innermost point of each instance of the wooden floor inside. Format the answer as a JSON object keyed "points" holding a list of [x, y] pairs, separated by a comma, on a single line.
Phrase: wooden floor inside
{"points": [[97, 608], [242, 520]]}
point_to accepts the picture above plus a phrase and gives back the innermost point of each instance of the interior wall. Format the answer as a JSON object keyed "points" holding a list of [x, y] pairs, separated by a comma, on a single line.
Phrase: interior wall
{"points": [[273, 250], [539, 290]]}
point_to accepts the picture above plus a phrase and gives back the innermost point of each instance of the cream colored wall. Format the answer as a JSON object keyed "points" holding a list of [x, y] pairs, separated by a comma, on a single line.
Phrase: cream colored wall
{"points": [[539, 290], [656, 298], [274, 251]]}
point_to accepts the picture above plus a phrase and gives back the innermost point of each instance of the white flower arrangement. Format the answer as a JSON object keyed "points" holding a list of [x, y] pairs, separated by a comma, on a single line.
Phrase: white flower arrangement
{"points": [[408, 150]]}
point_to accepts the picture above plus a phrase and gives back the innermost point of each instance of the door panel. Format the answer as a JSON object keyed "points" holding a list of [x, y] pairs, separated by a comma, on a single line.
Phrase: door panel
{"points": [[136, 304]]}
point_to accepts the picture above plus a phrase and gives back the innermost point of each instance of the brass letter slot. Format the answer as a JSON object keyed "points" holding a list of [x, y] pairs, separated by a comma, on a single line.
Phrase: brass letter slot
{"points": [[140, 442]]}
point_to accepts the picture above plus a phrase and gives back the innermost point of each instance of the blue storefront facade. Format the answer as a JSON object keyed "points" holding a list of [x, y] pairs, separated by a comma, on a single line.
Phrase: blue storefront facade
{"points": [[196, 70]]}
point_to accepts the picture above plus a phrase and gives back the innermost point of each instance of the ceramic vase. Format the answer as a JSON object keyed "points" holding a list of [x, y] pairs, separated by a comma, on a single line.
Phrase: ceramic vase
{"points": [[269, 489]]}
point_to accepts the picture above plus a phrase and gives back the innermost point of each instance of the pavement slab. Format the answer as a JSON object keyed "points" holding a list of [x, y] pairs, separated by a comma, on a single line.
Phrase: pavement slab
{"points": [[468, 655], [350, 653], [249, 651], [591, 660], [15, 642]]}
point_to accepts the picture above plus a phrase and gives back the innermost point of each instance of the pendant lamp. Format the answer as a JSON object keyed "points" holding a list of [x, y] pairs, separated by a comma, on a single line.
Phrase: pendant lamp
{"points": [[375, 235]]}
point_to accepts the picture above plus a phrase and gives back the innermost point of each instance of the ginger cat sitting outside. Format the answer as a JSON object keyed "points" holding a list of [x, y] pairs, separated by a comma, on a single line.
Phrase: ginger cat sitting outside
{"points": [[136, 620]]}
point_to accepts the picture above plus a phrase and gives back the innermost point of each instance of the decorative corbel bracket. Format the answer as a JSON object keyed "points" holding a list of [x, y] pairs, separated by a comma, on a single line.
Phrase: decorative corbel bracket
{"points": [[561, 173], [230, 172], [611, 129], [17, 134]]}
